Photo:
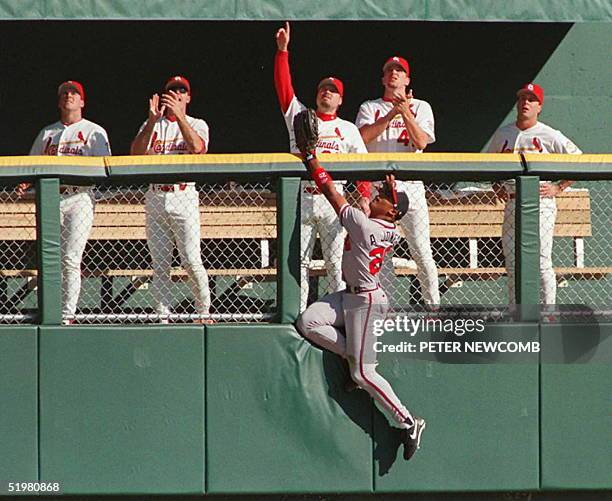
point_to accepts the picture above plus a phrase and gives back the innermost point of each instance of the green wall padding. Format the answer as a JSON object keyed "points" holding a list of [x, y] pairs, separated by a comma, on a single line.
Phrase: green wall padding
{"points": [[576, 408], [434, 10], [278, 419], [18, 404], [482, 422], [122, 409]]}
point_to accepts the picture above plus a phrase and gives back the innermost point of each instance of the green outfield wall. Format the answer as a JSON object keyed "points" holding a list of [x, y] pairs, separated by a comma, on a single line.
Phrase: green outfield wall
{"points": [[257, 409]]}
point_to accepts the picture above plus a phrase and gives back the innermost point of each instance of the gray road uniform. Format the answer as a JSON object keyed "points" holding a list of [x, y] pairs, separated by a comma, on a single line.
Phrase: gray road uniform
{"points": [[357, 308]]}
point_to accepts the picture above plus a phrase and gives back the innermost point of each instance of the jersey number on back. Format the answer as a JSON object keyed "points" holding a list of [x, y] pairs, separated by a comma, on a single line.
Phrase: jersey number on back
{"points": [[378, 256]]}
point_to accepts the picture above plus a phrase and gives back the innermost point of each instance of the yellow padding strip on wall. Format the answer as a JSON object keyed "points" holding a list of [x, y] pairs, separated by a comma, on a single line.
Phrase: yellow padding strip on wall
{"points": [[588, 158], [32, 161], [267, 158]]}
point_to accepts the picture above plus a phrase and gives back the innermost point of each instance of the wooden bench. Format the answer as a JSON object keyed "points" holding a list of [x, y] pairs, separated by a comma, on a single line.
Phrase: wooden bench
{"points": [[232, 215]]}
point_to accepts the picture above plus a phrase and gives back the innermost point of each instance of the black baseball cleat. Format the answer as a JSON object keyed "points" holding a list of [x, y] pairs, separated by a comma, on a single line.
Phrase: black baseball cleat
{"points": [[411, 437]]}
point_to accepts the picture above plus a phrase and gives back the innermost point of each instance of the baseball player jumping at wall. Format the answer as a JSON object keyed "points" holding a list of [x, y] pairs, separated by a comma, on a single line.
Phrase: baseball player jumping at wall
{"points": [[73, 135], [173, 210], [398, 122], [335, 136], [364, 301], [528, 135]]}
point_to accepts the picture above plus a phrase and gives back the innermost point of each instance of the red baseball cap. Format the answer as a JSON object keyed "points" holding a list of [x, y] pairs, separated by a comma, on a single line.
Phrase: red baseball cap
{"points": [[397, 61], [72, 84], [177, 81], [534, 89], [336, 82]]}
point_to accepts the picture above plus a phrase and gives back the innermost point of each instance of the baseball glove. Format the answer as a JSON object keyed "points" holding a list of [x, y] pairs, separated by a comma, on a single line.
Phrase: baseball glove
{"points": [[306, 130]]}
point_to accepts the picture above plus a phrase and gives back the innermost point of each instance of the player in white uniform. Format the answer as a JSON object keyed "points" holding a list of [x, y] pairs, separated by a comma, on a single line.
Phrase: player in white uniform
{"points": [[528, 135], [173, 210], [397, 122], [73, 135], [335, 136], [364, 301]]}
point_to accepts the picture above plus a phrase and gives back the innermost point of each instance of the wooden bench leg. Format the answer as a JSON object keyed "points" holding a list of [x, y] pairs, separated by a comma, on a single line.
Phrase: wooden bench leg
{"points": [[473, 243], [265, 253], [579, 252]]}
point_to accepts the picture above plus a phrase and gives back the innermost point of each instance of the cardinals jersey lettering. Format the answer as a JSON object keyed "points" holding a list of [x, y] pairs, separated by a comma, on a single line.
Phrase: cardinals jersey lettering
{"points": [[335, 136], [395, 137], [83, 138], [365, 247], [538, 139], [167, 138]]}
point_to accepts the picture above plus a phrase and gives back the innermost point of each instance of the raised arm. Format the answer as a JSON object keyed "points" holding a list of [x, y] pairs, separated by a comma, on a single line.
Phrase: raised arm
{"points": [[282, 71], [140, 144]]}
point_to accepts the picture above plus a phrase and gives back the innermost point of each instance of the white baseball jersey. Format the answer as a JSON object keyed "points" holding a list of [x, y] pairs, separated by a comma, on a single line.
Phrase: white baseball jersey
{"points": [[335, 135], [83, 138], [395, 137], [365, 246], [167, 138], [537, 139]]}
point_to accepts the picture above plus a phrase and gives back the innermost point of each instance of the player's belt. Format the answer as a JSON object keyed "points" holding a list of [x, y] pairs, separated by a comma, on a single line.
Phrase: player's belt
{"points": [[169, 187], [360, 290]]}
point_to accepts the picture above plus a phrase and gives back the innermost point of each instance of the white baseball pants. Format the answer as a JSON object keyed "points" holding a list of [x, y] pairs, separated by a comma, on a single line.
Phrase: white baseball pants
{"points": [[318, 216], [322, 322], [548, 216], [416, 231], [76, 220], [173, 218]]}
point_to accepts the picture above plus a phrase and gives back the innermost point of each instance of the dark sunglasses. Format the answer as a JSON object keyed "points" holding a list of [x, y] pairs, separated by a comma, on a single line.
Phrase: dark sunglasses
{"points": [[180, 90]]}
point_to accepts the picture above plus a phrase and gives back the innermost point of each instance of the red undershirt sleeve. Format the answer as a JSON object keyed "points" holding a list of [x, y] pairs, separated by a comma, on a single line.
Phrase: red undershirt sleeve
{"points": [[282, 79]]}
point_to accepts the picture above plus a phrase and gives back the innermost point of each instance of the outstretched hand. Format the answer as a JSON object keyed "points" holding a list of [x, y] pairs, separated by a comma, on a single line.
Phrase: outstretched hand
{"points": [[283, 36], [155, 112]]}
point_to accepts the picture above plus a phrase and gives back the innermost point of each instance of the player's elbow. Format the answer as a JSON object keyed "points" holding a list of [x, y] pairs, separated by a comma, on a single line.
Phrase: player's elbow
{"points": [[421, 144], [366, 134]]}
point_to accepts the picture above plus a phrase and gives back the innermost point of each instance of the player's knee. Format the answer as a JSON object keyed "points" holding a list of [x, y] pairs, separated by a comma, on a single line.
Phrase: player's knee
{"points": [[363, 374], [305, 323], [71, 262], [194, 268]]}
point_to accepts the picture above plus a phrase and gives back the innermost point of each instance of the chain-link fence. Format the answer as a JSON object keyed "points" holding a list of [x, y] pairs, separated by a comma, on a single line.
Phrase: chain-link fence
{"points": [[450, 253], [582, 249], [176, 253], [18, 300], [458, 247], [133, 253]]}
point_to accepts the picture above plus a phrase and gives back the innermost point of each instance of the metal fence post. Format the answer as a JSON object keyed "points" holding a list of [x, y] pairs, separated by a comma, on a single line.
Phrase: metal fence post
{"points": [[48, 252], [288, 245], [527, 247]]}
